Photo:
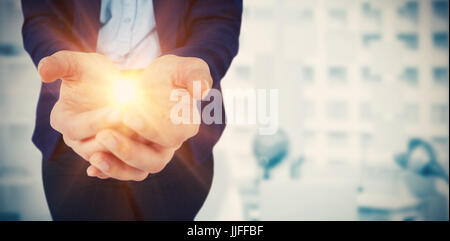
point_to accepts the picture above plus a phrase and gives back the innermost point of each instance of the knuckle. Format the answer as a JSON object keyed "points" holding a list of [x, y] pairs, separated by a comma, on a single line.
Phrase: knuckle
{"points": [[149, 133], [167, 57], [65, 56], [195, 130], [165, 158], [141, 177], [68, 141], [92, 126], [168, 156], [158, 167], [99, 157], [176, 148], [94, 55], [200, 63], [53, 122], [68, 131], [98, 57], [125, 152], [96, 157], [61, 53], [55, 119], [82, 154], [175, 140], [85, 156], [118, 176]]}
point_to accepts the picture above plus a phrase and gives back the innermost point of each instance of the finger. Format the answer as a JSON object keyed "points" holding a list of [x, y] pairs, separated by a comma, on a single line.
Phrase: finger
{"points": [[78, 126], [85, 148], [111, 166], [131, 73], [102, 176], [92, 171], [194, 75], [198, 88], [144, 157], [62, 64], [152, 129]]}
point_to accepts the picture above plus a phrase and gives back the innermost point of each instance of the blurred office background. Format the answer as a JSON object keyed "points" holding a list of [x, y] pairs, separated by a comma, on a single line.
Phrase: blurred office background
{"points": [[364, 115]]}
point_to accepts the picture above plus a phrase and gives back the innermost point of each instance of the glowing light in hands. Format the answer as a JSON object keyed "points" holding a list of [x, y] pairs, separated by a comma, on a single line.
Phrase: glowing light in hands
{"points": [[125, 92]]}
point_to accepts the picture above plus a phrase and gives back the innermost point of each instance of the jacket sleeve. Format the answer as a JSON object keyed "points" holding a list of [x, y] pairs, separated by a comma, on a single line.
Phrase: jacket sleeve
{"points": [[47, 29], [213, 28]]}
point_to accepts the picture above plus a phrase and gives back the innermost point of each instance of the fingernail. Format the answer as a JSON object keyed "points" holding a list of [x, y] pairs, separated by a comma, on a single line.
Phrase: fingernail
{"points": [[134, 122], [103, 165], [108, 140], [114, 117]]}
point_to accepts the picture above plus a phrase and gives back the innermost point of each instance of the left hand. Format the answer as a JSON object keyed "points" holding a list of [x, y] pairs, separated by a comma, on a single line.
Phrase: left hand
{"points": [[159, 137]]}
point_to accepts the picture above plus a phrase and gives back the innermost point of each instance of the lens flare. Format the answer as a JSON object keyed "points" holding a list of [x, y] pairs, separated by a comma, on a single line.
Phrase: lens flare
{"points": [[125, 92]]}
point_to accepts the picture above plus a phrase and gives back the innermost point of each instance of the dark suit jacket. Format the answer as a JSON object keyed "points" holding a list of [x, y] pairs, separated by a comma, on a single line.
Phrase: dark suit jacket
{"points": [[208, 29]]}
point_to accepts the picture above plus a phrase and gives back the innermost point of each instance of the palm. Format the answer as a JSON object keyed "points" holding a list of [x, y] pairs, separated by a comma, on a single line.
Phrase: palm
{"points": [[156, 104], [90, 90]]}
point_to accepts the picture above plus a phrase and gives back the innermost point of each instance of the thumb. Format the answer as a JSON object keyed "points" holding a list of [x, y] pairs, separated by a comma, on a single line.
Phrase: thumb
{"points": [[198, 88], [62, 64], [196, 80]]}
